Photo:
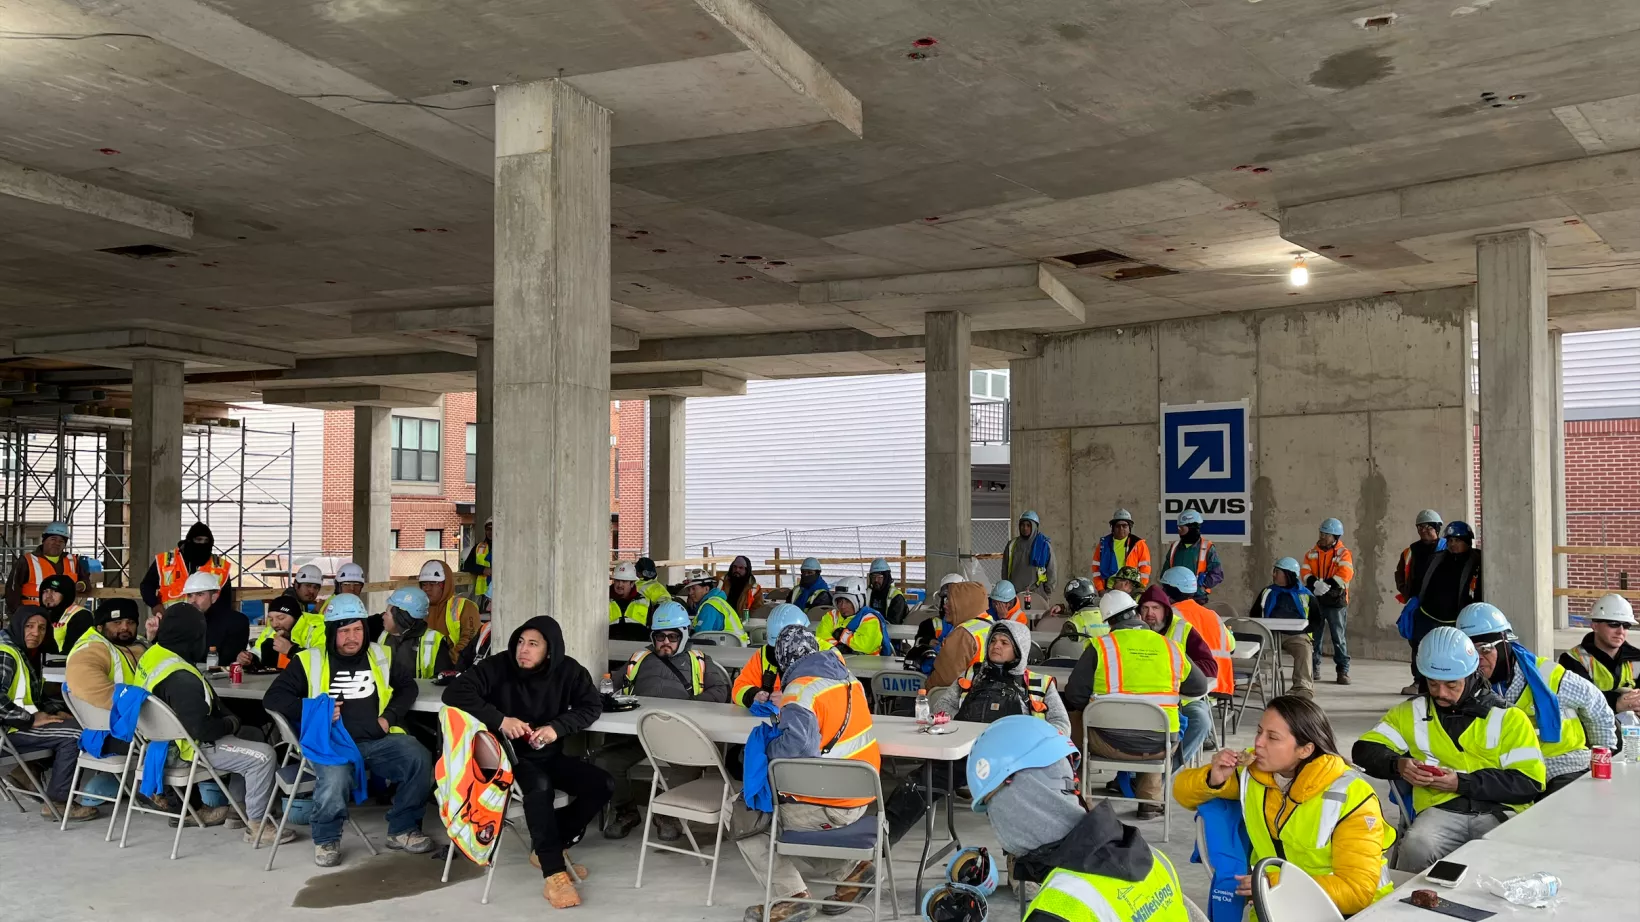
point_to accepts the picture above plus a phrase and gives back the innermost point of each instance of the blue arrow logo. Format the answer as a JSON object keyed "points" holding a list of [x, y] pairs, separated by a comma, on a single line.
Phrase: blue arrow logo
{"points": [[1204, 452]]}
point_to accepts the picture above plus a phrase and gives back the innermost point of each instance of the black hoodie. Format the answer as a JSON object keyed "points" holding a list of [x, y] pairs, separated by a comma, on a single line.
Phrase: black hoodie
{"points": [[193, 555], [559, 693], [1100, 844], [182, 631], [77, 625], [352, 683]]}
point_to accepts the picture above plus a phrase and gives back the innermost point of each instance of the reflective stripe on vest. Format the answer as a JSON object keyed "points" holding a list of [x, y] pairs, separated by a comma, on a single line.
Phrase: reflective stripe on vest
{"points": [[452, 618], [731, 618], [697, 669], [1201, 555], [316, 663], [1219, 641], [1305, 837], [116, 656], [1114, 678], [481, 557], [980, 628], [1443, 751], [840, 711], [1601, 676], [1572, 735], [309, 631], [156, 665], [426, 651], [472, 799], [39, 566], [1077, 897], [173, 573], [635, 611], [1036, 688], [21, 693], [59, 630]]}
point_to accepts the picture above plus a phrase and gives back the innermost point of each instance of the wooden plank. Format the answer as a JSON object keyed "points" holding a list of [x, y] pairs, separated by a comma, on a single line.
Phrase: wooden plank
{"points": [[1614, 551], [1630, 594]]}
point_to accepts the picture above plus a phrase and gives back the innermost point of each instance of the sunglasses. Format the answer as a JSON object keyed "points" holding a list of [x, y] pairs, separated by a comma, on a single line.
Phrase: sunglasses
{"points": [[668, 636]]}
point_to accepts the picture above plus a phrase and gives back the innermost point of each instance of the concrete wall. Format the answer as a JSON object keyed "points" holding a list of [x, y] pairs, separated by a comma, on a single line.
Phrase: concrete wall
{"points": [[1362, 411]]}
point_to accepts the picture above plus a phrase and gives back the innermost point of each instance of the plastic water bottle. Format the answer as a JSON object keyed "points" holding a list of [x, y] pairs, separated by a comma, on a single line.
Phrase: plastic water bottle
{"points": [[1533, 890], [924, 718], [211, 660], [606, 687], [1631, 742]]}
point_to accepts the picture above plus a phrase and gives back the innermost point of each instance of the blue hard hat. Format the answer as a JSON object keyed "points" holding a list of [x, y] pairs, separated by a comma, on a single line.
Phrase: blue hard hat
{"points": [[783, 616], [669, 616], [1332, 527], [1445, 655], [973, 867], [949, 902], [1480, 618], [411, 599], [345, 606], [1190, 517], [1181, 578], [1289, 564], [1009, 745], [1004, 591], [1459, 530], [880, 565], [1030, 516], [60, 529], [810, 563]]}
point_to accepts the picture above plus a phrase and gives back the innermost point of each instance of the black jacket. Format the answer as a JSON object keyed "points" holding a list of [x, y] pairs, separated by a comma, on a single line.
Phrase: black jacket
{"points": [[150, 580], [1100, 844], [406, 646], [1441, 596], [559, 693], [229, 632], [289, 689], [1625, 653], [182, 631]]}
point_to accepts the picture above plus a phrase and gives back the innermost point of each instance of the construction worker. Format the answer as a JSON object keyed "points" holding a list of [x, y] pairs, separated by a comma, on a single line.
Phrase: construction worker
{"points": [[1569, 712], [1451, 581], [51, 558], [1082, 604], [1089, 864], [305, 587], [1028, 560], [963, 644], [1132, 660], [350, 580], [106, 656], [69, 619], [711, 608], [855, 628], [424, 652], [740, 586], [1328, 569], [33, 717], [1196, 553], [648, 584], [1467, 755], [885, 596], [1156, 610], [823, 714], [227, 632], [627, 606], [1301, 801], [1180, 586], [1005, 603], [1119, 550], [1605, 658], [759, 679], [478, 560], [811, 591], [454, 616], [273, 646], [1285, 598], [163, 583], [1409, 570]]}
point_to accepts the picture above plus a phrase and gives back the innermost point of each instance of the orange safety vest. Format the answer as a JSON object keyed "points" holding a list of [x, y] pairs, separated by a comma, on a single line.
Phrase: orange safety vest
{"points": [[38, 567], [1207, 623], [472, 798], [1016, 612], [751, 676], [1137, 557], [173, 573], [1201, 556], [840, 708], [1335, 564]]}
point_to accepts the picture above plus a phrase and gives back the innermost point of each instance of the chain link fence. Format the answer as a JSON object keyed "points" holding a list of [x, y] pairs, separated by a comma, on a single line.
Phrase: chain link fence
{"points": [[880, 540]]}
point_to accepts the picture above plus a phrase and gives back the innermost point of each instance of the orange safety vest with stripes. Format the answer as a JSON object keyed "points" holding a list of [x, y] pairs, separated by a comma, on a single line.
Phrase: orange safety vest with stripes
{"points": [[1219, 640], [1137, 557], [1201, 556], [1141, 665], [38, 567], [1335, 564], [840, 708], [173, 573], [471, 781]]}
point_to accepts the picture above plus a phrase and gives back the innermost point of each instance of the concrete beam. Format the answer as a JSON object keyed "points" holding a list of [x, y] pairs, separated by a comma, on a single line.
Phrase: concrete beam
{"points": [[676, 384], [764, 38], [1588, 311], [119, 348], [1014, 344], [1009, 343], [479, 317], [345, 396], [1015, 296], [26, 182]]}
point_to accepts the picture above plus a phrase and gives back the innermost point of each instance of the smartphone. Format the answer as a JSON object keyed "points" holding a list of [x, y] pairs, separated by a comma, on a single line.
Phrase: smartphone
{"points": [[1446, 873]]}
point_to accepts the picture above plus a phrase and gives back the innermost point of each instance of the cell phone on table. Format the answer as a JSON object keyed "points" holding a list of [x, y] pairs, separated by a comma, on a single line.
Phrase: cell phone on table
{"points": [[1446, 873]]}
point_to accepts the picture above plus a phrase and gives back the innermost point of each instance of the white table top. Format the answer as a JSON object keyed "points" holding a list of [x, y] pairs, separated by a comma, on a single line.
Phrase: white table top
{"points": [[908, 630], [1604, 889], [1245, 649], [1285, 625], [1588, 816]]}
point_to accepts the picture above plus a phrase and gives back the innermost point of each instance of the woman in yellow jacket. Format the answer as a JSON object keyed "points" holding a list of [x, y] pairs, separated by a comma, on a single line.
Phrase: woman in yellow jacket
{"points": [[1283, 787]]}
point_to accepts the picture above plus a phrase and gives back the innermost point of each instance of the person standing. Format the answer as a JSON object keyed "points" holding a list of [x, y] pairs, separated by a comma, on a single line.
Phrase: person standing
{"points": [[1118, 550], [1327, 571], [1028, 560], [1605, 657], [51, 558], [1409, 570], [478, 560], [33, 719], [1285, 598], [167, 577], [1194, 552], [1451, 581]]}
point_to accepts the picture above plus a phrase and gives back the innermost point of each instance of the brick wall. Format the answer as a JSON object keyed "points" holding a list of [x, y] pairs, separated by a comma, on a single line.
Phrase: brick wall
{"points": [[630, 427]]}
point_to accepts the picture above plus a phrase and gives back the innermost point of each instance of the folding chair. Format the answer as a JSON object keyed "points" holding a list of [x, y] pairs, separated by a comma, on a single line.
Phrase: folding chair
{"points": [[1066, 646], [293, 781], [865, 839], [1112, 712], [11, 758], [1267, 660], [1295, 898], [716, 638], [672, 739], [157, 725], [889, 685], [489, 758], [92, 717]]}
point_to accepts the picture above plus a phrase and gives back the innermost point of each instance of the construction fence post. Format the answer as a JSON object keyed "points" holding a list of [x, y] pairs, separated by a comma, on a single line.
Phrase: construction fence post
{"points": [[777, 570], [902, 564]]}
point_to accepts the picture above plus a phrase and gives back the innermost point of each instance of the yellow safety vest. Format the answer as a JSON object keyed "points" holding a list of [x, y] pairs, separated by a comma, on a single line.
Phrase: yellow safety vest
{"points": [[1505, 739], [1141, 665], [1627, 673], [1306, 836], [1077, 897], [316, 663], [1572, 737], [697, 670], [636, 611], [309, 630], [1090, 623], [155, 666], [481, 557], [655, 591], [59, 630], [426, 651], [117, 656], [1179, 633], [731, 618], [21, 693], [452, 618]]}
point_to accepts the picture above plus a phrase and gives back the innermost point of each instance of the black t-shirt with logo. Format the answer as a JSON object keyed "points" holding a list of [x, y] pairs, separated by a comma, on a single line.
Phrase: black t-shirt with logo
{"points": [[352, 683]]}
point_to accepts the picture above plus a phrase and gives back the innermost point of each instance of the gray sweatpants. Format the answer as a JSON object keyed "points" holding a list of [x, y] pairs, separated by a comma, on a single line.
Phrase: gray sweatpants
{"points": [[249, 767], [788, 881], [1437, 833]]}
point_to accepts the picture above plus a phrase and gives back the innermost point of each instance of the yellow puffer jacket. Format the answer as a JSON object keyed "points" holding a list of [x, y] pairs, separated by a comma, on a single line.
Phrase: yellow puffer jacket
{"points": [[1357, 842]]}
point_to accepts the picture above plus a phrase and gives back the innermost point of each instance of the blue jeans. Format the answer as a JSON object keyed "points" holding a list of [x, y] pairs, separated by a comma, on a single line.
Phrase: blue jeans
{"points": [[1332, 619], [1200, 714], [395, 758]]}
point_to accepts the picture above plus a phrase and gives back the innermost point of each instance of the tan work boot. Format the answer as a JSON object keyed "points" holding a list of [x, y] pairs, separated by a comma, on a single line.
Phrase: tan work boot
{"points": [[208, 816], [560, 891], [863, 873], [76, 812]]}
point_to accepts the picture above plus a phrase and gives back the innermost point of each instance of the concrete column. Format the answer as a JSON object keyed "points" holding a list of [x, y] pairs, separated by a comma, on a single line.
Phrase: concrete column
{"points": [[552, 363], [666, 478], [484, 489], [373, 496], [1516, 377], [948, 484], [156, 461], [1557, 463]]}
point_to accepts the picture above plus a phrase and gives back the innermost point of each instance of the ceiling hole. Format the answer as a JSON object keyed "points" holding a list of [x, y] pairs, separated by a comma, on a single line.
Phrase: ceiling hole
{"points": [[329, 282], [1489, 95], [934, 218], [726, 256], [1347, 256], [418, 230], [1261, 169], [1497, 105], [1377, 22], [107, 151], [1517, 97], [442, 230], [241, 238], [926, 42], [1093, 258], [743, 278], [1389, 291], [657, 251], [1572, 221], [1245, 166], [751, 258], [777, 262], [144, 251], [1170, 250], [459, 82], [1133, 273], [641, 233], [631, 236], [1327, 247]]}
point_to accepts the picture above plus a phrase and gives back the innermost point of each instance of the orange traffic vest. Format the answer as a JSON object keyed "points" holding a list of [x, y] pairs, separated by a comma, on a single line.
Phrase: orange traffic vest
{"points": [[1335, 564], [1207, 624], [840, 708], [173, 573], [38, 566], [1137, 557], [1016, 612], [470, 781], [1201, 555]]}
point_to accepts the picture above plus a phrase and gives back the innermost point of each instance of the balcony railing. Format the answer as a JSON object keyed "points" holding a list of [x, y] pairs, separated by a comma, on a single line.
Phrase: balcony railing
{"points": [[988, 421]]}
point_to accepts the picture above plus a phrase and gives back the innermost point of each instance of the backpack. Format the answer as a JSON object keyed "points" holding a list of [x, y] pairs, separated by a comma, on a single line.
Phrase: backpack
{"points": [[990, 701]]}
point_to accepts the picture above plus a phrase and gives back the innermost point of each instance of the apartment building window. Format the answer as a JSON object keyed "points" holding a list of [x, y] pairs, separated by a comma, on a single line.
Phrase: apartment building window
{"points": [[472, 452], [988, 385], [415, 449], [432, 539], [395, 538]]}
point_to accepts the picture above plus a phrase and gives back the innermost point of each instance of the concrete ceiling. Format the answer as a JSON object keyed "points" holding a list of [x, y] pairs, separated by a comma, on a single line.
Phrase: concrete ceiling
{"points": [[334, 158]]}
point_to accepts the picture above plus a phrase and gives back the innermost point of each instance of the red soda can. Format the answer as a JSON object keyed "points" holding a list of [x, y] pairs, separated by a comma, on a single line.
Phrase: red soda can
{"points": [[1600, 762], [236, 674]]}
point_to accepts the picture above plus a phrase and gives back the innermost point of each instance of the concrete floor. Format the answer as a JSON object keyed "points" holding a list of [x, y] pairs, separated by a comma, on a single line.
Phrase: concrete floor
{"points": [[79, 877]]}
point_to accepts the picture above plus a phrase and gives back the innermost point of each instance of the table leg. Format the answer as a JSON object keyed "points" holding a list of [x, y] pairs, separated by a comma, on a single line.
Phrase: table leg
{"points": [[928, 820]]}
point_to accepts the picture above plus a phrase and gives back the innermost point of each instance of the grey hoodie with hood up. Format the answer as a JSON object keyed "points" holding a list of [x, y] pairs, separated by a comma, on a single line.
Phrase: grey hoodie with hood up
{"points": [[948, 699]]}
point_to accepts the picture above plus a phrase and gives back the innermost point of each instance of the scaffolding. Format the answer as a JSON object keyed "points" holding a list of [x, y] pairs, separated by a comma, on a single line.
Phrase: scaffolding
{"points": [[238, 480]]}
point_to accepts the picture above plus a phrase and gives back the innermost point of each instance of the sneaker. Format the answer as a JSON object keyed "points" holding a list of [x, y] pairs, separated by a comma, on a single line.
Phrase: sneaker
{"points": [[208, 816], [414, 842], [77, 812], [622, 823], [1343, 678], [328, 854], [560, 891], [781, 912], [668, 829], [863, 873], [266, 837], [1410, 689]]}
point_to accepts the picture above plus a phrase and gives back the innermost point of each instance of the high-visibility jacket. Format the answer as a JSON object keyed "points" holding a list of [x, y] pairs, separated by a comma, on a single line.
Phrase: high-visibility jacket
{"points": [[267, 634], [1178, 631], [21, 693], [426, 652], [1219, 639], [697, 670], [1335, 564], [37, 567], [452, 621], [635, 611], [731, 618], [1014, 611], [1628, 671], [1269, 597], [1135, 555], [472, 800], [1505, 739], [122, 668], [981, 629], [804, 596], [862, 632], [1305, 837], [1090, 623], [1036, 685], [1203, 546], [758, 670], [309, 630], [1572, 735], [316, 663], [1072, 896], [840, 708], [155, 666], [1142, 665], [173, 573], [655, 591], [59, 629], [481, 557]]}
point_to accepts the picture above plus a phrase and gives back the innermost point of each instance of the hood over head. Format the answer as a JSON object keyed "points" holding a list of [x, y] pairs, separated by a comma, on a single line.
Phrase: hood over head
{"points": [[966, 601], [1036, 808], [1020, 634], [1105, 846], [1156, 593], [14, 626], [821, 664], [554, 635], [197, 554], [182, 631]]}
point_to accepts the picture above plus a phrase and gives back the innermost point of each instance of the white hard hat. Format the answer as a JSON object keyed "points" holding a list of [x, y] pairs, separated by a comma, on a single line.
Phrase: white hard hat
{"points": [[696, 577], [432, 572], [625, 571], [852, 588], [201, 581], [1115, 603], [310, 574], [1612, 607], [950, 578], [350, 573]]}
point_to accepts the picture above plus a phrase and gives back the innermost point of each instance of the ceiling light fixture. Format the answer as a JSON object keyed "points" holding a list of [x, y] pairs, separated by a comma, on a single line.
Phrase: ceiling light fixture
{"points": [[1299, 274]]}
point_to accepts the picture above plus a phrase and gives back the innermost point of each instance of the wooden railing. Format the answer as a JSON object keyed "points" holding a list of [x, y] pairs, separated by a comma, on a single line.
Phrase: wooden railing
{"points": [[1597, 551]]}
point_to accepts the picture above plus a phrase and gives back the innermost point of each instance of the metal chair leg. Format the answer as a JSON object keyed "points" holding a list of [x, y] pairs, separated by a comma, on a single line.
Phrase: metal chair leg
{"points": [[187, 808], [73, 785], [368, 847], [495, 859]]}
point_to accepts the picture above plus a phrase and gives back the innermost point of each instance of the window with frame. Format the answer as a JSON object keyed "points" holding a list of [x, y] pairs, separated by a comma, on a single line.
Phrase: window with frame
{"points": [[986, 384], [395, 538], [415, 449], [472, 452], [432, 539]]}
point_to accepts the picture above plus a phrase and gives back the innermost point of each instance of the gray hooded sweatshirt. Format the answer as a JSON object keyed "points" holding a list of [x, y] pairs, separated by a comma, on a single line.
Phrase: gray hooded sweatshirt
{"points": [[948, 699], [656, 679]]}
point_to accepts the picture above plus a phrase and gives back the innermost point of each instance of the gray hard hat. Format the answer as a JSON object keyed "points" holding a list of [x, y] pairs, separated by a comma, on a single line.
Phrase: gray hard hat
{"points": [[1429, 517]]}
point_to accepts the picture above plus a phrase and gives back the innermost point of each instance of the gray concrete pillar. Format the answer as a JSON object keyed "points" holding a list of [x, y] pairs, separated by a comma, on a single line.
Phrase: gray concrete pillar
{"points": [[156, 461], [1557, 463], [948, 485], [1516, 377], [373, 496], [667, 468], [552, 364], [484, 431]]}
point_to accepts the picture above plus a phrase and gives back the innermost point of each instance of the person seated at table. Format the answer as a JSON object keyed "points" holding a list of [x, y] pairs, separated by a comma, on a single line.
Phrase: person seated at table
{"points": [[1554, 699], [106, 656], [1005, 604], [372, 698], [1081, 608], [811, 591], [305, 587], [668, 668], [759, 679], [996, 688], [405, 633], [69, 619], [852, 626], [1605, 657], [1302, 802], [1072, 863], [274, 646], [33, 719], [649, 582], [454, 616], [740, 586], [1285, 597], [931, 630], [710, 607], [963, 645], [628, 608], [823, 714], [1466, 753], [538, 696], [1156, 610], [1147, 665], [885, 596]]}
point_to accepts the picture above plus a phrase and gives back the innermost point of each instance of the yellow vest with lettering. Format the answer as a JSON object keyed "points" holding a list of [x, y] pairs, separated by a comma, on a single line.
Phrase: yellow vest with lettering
{"points": [[1142, 665], [1077, 897]]}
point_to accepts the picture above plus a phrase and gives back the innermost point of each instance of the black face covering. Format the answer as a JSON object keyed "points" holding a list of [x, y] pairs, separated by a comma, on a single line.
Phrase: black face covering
{"points": [[1189, 533], [197, 553]]}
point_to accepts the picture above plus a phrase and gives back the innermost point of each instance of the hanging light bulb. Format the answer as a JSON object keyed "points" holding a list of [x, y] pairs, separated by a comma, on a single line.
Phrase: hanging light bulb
{"points": [[1299, 274]]}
